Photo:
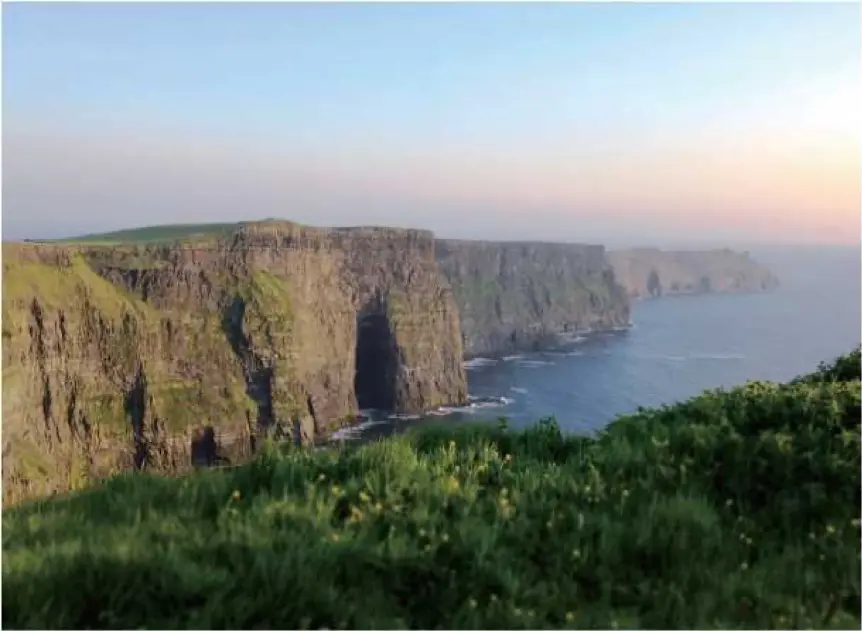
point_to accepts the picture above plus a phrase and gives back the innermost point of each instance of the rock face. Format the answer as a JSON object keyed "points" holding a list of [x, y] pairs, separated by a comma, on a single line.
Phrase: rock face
{"points": [[128, 356], [650, 273], [516, 296]]}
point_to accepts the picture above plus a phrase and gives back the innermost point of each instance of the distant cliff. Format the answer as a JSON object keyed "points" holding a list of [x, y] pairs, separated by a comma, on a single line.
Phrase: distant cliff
{"points": [[116, 357], [649, 273], [515, 296]]}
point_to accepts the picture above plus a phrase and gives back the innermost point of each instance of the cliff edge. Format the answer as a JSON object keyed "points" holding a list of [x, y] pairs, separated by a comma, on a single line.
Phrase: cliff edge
{"points": [[650, 273], [169, 354], [522, 296]]}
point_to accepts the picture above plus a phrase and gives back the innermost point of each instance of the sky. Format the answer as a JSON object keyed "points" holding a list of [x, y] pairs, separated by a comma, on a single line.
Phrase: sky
{"points": [[635, 124]]}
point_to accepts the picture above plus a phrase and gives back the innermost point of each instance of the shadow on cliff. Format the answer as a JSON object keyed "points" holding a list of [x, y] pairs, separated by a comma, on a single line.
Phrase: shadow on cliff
{"points": [[376, 361]]}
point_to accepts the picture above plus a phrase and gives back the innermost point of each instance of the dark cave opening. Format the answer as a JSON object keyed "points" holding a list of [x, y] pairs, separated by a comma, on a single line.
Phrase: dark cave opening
{"points": [[376, 363]]}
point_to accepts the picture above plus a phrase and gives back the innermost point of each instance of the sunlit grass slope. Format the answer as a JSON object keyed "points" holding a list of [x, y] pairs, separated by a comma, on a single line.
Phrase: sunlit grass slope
{"points": [[155, 234], [737, 509]]}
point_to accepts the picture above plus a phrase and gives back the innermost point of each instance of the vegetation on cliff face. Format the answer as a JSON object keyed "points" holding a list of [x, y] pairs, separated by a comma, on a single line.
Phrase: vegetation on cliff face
{"points": [[737, 508], [651, 273], [116, 356]]}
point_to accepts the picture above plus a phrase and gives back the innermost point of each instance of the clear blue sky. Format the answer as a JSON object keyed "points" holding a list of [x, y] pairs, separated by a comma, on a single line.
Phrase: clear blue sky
{"points": [[562, 120]]}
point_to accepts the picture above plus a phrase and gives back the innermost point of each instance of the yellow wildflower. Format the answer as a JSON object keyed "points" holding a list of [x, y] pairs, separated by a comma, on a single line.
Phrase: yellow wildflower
{"points": [[569, 616], [363, 496], [236, 496]]}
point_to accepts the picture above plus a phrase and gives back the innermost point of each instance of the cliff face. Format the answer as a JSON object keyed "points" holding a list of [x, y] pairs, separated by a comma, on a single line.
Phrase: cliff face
{"points": [[118, 357], [515, 296], [649, 273]]}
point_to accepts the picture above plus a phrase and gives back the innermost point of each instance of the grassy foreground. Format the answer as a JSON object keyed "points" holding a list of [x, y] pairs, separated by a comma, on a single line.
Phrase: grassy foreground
{"points": [[737, 509]]}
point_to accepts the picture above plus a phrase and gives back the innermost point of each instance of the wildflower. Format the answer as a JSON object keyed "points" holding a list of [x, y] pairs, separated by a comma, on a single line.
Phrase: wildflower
{"points": [[334, 536], [335, 489], [363, 496], [569, 616], [421, 532], [855, 522], [744, 565], [451, 444], [625, 492], [576, 554], [236, 496], [517, 611], [378, 506], [508, 458], [504, 491], [729, 503], [321, 477], [445, 537], [356, 514], [493, 598], [473, 603], [830, 529]]}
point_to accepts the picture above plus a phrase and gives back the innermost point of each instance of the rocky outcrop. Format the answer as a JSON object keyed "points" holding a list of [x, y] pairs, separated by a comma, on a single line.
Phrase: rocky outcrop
{"points": [[122, 357], [515, 296], [650, 273]]}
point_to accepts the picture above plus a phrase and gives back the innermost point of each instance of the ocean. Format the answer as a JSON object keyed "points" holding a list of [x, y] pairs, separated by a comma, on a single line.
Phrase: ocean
{"points": [[678, 347]]}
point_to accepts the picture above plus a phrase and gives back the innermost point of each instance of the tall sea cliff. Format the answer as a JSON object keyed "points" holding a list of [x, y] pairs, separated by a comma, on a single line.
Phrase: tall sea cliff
{"points": [[168, 354]]}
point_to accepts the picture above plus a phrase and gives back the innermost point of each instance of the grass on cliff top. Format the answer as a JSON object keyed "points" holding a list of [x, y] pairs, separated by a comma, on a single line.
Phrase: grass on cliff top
{"points": [[156, 234], [735, 509]]}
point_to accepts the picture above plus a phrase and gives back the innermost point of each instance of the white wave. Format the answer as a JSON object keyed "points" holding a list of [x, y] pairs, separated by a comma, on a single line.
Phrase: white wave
{"points": [[478, 362], [518, 390], [473, 404], [572, 338], [534, 363], [404, 417], [509, 358], [353, 432]]}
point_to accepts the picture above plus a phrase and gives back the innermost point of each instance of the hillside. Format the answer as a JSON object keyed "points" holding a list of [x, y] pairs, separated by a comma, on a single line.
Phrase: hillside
{"points": [[736, 509], [650, 273]]}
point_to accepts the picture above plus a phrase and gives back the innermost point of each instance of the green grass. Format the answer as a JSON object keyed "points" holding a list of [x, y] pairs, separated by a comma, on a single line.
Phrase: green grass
{"points": [[737, 508], [155, 234]]}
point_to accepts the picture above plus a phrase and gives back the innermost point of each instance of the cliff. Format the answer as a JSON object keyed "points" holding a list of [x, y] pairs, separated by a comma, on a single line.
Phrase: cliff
{"points": [[120, 357], [649, 273], [515, 296]]}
